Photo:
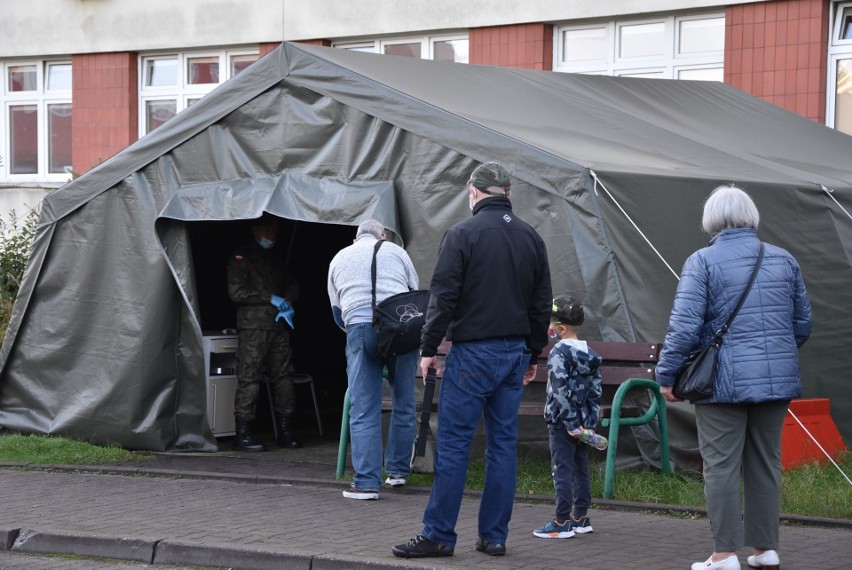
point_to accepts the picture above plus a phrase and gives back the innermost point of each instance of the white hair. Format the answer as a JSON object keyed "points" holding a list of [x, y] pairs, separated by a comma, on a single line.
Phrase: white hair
{"points": [[727, 208], [372, 227]]}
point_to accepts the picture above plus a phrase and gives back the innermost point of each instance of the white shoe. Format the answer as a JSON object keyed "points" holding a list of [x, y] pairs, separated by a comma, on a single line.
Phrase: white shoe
{"points": [[769, 560], [354, 493], [729, 563], [394, 481]]}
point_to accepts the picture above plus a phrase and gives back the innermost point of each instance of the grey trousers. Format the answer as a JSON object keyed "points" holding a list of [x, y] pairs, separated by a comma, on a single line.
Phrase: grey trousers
{"points": [[742, 443]]}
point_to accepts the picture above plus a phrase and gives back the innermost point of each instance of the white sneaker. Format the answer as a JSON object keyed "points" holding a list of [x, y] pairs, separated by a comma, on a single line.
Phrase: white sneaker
{"points": [[354, 493], [769, 559], [729, 563], [394, 481]]}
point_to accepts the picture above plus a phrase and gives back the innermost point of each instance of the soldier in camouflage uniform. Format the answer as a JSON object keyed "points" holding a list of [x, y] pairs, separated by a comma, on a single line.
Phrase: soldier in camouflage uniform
{"points": [[574, 389], [255, 274]]}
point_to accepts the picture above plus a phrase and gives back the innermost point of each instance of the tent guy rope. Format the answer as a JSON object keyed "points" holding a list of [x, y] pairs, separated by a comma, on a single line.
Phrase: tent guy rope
{"points": [[629, 219], [829, 191]]}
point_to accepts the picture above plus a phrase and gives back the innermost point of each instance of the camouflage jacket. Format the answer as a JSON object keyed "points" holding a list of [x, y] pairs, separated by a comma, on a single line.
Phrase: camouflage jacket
{"points": [[254, 275], [574, 387]]}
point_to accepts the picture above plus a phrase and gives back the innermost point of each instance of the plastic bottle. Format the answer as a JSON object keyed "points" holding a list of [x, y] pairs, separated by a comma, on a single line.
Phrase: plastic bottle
{"points": [[597, 441]]}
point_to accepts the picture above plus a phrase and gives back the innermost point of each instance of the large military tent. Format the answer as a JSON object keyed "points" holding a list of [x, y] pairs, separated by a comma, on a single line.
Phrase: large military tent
{"points": [[126, 269]]}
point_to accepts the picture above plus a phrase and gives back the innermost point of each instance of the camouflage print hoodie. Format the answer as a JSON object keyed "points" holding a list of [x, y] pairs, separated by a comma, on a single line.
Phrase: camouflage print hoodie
{"points": [[574, 386]]}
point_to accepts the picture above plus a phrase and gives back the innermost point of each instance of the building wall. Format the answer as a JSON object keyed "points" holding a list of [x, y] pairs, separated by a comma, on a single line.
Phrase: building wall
{"points": [[529, 46], [778, 51], [104, 102]]}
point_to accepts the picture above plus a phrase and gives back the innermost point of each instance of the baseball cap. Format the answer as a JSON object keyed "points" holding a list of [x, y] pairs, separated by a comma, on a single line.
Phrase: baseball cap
{"points": [[567, 310], [489, 175]]}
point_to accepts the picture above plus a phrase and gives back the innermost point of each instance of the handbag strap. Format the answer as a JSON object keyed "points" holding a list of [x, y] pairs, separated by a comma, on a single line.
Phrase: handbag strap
{"points": [[373, 270], [727, 325]]}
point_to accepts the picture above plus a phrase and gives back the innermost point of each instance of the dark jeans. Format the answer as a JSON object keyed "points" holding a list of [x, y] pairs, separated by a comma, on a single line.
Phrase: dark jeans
{"points": [[483, 378], [569, 465]]}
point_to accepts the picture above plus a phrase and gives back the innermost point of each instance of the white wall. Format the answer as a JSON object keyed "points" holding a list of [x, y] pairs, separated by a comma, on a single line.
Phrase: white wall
{"points": [[60, 27], [20, 199], [63, 27]]}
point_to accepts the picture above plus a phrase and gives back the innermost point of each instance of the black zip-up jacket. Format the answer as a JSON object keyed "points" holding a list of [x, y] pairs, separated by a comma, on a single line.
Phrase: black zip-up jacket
{"points": [[491, 280]]}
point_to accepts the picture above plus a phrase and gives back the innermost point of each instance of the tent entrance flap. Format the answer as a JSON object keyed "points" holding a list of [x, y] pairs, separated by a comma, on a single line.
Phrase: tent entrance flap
{"points": [[288, 195]]}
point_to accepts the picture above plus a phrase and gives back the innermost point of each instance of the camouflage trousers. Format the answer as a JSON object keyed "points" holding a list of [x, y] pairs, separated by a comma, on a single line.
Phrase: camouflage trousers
{"points": [[263, 356]]}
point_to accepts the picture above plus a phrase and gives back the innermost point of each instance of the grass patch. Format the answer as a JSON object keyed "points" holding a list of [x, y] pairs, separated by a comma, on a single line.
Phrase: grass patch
{"points": [[818, 490], [15, 448]]}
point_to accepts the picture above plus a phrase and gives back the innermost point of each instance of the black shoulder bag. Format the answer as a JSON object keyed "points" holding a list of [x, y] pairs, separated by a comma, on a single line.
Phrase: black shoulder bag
{"points": [[399, 319], [697, 377]]}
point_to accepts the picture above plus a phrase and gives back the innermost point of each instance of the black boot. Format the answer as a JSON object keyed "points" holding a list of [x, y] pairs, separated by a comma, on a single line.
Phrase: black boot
{"points": [[286, 437], [244, 440]]}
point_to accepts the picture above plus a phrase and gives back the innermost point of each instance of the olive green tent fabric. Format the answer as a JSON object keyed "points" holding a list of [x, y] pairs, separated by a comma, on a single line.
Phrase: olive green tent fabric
{"points": [[106, 334]]}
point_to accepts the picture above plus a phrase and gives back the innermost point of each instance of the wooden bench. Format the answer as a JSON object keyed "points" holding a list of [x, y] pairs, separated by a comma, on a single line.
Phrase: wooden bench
{"points": [[626, 366]]}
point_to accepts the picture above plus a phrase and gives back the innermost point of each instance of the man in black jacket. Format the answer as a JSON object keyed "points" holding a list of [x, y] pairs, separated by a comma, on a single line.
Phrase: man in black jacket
{"points": [[491, 297]]}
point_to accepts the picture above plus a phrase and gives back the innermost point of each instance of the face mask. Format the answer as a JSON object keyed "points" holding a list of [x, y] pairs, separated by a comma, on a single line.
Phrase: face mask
{"points": [[265, 243], [554, 336]]}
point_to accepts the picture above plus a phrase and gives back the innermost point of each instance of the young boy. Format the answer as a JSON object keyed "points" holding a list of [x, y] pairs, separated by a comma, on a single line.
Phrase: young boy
{"points": [[571, 411]]}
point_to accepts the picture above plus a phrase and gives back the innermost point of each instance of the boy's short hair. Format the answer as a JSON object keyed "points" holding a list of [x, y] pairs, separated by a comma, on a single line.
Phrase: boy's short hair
{"points": [[567, 311]]}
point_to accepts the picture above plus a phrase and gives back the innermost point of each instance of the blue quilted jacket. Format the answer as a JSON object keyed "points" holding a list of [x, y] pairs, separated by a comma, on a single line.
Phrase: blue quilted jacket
{"points": [[759, 359]]}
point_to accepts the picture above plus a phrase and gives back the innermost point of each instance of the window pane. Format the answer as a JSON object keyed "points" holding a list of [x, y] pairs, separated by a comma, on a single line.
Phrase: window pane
{"points": [[158, 112], [843, 97], [23, 130], [59, 77], [406, 50], [160, 72], [451, 50], [202, 70], [358, 47], [240, 62], [584, 45], [59, 134], [651, 74], [22, 78], [699, 36], [642, 40], [712, 74], [846, 24]]}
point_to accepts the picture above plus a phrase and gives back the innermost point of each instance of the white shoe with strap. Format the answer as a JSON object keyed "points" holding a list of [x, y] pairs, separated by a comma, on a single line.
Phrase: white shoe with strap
{"points": [[768, 560], [729, 563]]}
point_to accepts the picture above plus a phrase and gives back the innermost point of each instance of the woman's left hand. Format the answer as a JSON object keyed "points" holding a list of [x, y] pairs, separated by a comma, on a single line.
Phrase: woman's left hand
{"points": [[667, 393]]}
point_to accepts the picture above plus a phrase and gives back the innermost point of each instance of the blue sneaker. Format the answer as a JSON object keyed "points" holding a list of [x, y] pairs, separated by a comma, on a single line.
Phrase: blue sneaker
{"points": [[555, 530], [581, 525]]}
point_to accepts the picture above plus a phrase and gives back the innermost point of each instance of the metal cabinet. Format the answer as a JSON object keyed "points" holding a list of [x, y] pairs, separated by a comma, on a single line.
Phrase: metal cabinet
{"points": [[220, 368]]}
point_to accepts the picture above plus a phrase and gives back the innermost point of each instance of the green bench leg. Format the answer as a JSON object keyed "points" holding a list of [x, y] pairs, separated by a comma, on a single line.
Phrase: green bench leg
{"points": [[657, 408], [344, 437]]}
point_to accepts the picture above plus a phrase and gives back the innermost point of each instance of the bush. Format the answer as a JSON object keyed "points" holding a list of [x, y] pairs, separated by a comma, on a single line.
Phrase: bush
{"points": [[16, 238]]}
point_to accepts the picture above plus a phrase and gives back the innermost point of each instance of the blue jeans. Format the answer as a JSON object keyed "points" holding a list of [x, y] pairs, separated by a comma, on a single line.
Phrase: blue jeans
{"points": [[482, 377], [364, 365], [569, 464]]}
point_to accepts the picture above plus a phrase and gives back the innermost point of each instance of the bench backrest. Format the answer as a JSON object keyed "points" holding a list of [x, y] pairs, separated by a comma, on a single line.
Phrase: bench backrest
{"points": [[621, 360]]}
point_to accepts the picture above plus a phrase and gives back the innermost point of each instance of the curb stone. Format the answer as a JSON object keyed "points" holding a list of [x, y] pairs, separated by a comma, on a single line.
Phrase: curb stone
{"points": [[136, 549], [178, 553]]}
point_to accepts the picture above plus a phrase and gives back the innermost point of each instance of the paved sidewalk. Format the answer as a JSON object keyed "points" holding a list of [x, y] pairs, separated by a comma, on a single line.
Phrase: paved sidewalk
{"points": [[283, 509]]}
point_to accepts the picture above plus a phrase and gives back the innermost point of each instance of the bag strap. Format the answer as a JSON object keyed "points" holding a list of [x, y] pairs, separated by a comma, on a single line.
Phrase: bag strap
{"points": [[727, 325], [373, 270]]}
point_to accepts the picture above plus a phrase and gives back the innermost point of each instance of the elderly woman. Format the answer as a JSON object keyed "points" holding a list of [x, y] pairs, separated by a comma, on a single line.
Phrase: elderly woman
{"points": [[757, 373]]}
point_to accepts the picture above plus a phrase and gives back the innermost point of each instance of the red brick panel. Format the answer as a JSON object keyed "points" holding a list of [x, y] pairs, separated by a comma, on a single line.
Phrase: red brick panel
{"points": [[266, 47], [777, 51], [105, 107], [529, 46]]}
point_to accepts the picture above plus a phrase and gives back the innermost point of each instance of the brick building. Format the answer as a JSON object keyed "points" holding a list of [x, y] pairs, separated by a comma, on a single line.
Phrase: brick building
{"points": [[83, 79]]}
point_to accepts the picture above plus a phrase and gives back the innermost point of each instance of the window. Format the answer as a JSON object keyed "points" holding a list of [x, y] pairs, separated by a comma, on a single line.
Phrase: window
{"points": [[839, 104], [172, 82], [35, 121], [672, 47], [440, 48]]}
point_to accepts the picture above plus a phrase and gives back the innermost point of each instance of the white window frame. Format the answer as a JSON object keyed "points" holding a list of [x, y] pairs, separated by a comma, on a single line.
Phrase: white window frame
{"points": [[670, 62], [838, 49], [41, 98], [182, 92], [427, 43]]}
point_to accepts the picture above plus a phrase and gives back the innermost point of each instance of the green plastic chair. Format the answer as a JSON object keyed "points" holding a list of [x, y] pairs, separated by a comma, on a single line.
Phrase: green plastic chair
{"points": [[615, 421]]}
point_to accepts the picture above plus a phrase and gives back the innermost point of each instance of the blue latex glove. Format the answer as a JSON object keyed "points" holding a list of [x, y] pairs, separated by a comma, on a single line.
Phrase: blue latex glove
{"points": [[288, 315], [285, 310]]}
